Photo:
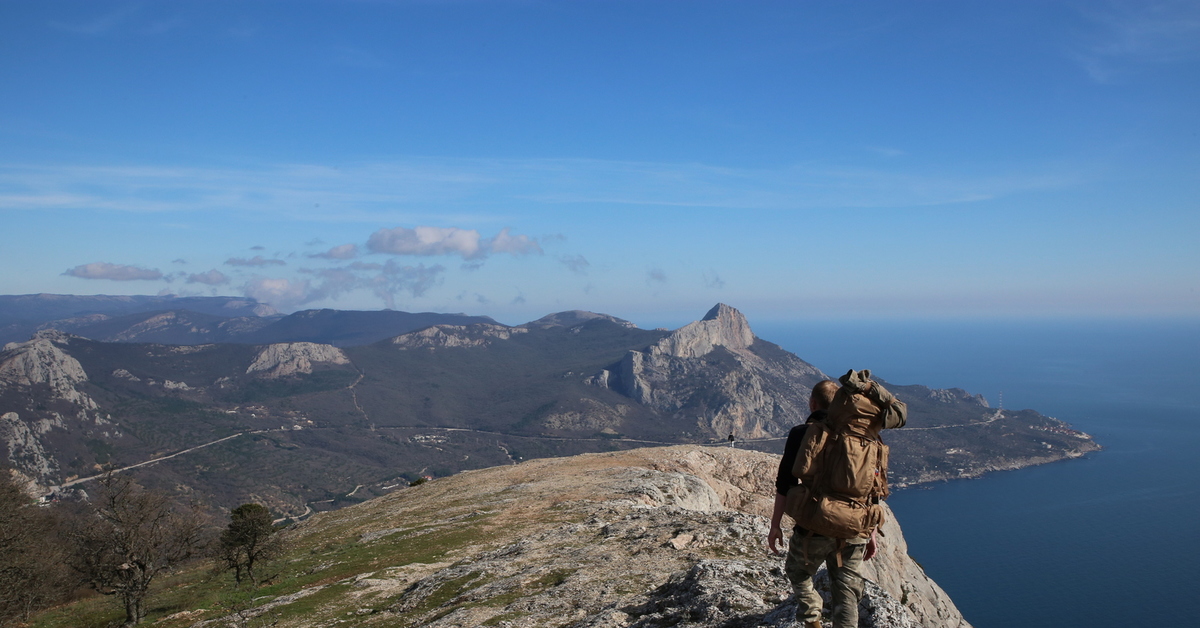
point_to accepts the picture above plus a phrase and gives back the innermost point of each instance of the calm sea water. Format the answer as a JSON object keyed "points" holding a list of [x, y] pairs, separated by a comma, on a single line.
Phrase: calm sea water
{"points": [[1109, 540]]}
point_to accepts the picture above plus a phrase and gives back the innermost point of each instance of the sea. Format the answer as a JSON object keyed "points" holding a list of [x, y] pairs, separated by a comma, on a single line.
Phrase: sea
{"points": [[1111, 539]]}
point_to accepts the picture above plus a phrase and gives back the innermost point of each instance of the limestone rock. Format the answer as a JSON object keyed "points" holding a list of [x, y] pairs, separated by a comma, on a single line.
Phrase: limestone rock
{"points": [[446, 336], [723, 326], [42, 361], [292, 358], [24, 449], [648, 538], [716, 371]]}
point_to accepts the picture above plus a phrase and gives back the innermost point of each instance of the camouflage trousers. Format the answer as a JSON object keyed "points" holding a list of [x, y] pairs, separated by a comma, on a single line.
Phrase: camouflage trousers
{"points": [[804, 558]]}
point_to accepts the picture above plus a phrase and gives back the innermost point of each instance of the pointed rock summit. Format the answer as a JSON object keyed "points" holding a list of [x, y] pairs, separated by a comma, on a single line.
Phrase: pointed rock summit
{"points": [[723, 326], [745, 386]]}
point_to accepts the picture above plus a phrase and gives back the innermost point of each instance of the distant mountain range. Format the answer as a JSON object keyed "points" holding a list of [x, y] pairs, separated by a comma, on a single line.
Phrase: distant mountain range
{"points": [[201, 320], [299, 424]]}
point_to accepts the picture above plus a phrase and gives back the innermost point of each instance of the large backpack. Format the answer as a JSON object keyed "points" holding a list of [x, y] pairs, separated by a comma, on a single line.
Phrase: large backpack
{"points": [[842, 462]]}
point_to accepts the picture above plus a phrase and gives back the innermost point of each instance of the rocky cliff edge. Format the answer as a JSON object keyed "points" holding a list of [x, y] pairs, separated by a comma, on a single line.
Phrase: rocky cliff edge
{"points": [[645, 538]]}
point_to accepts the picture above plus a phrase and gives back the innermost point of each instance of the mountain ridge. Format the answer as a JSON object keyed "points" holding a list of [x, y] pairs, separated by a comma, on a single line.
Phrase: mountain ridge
{"points": [[314, 422]]}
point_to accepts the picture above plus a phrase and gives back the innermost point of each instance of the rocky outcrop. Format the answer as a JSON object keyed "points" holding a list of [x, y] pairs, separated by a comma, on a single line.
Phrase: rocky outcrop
{"points": [[715, 371], [648, 538], [294, 358], [24, 449], [447, 336], [41, 361]]}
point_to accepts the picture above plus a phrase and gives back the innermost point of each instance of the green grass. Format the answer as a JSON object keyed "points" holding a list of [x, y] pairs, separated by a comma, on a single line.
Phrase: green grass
{"points": [[312, 561]]}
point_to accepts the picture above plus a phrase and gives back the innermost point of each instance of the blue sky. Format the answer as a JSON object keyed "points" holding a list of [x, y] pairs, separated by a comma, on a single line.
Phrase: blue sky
{"points": [[646, 159]]}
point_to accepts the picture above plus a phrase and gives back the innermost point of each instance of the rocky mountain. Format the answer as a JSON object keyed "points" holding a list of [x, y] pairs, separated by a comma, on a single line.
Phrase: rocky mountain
{"points": [[648, 538], [718, 372], [302, 426]]}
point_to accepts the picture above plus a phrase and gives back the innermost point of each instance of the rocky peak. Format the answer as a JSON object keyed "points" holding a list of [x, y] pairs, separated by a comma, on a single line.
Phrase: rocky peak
{"points": [[41, 361], [723, 326], [291, 358]]}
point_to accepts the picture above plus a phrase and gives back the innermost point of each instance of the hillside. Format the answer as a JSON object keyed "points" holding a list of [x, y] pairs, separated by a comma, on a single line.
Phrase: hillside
{"points": [[646, 538], [301, 426]]}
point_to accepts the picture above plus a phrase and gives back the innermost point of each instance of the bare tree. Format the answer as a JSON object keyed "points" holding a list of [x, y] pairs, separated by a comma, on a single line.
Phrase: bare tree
{"points": [[129, 537], [32, 559], [248, 540]]}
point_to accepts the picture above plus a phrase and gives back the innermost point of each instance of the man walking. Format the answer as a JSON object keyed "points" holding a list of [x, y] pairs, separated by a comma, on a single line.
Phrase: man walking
{"points": [[842, 554]]}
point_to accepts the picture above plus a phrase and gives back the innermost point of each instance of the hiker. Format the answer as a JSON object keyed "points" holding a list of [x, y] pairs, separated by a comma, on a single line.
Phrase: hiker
{"points": [[852, 414]]}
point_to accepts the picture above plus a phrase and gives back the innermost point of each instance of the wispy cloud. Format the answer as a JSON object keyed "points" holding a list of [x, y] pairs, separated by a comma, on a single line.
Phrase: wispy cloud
{"points": [[213, 277], [356, 58], [257, 260], [1132, 33], [99, 25], [344, 251], [469, 190], [387, 281], [575, 263], [713, 280], [114, 272]]}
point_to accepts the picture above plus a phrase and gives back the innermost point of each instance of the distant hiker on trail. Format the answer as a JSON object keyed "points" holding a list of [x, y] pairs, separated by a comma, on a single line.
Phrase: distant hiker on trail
{"points": [[732, 438], [830, 481]]}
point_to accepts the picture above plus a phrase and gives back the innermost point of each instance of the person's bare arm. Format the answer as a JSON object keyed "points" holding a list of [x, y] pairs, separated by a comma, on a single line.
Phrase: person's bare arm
{"points": [[775, 536], [872, 547]]}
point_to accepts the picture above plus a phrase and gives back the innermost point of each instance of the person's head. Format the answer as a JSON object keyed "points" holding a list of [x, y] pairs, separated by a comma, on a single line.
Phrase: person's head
{"points": [[822, 395]]}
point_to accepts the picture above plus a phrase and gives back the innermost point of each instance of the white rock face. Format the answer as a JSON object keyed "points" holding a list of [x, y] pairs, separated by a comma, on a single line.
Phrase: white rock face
{"points": [[447, 336], [291, 358], [41, 361], [723, 326], [674, 376], [24, 450]]}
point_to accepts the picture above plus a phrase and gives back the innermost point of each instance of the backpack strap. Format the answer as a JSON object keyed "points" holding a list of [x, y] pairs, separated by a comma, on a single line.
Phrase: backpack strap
{"points": [[840, 546]]}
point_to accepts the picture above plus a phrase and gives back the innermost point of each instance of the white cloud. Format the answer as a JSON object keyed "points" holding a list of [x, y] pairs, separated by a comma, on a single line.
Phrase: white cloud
{"points": [[427, 241], [344, 251], [504, 242], [115, 272], [466, 243], [283, 294], [257, 260], [213, 277]]}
